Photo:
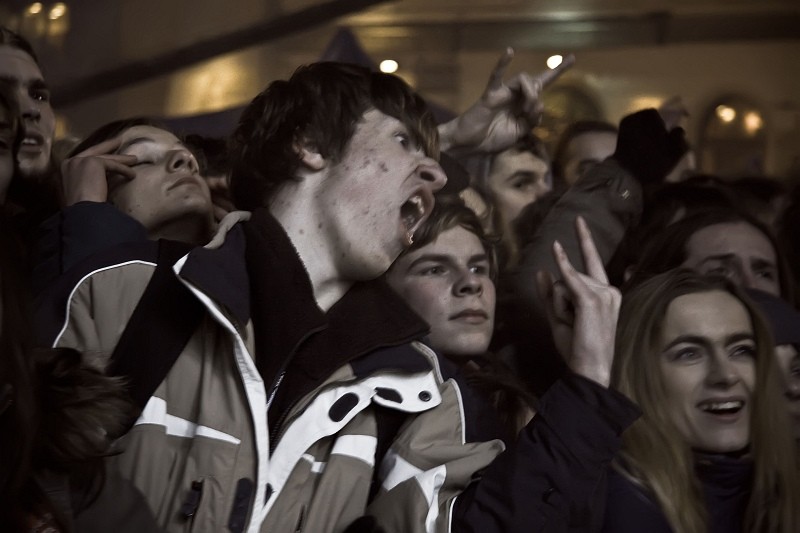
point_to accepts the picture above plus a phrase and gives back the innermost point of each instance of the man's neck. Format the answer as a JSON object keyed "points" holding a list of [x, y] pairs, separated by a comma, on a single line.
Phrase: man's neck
{"points": [[193, 230], [298, 216]]}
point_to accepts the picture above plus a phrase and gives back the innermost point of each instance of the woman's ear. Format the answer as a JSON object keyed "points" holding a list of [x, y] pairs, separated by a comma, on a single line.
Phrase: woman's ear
{"points": [[310, 156]]}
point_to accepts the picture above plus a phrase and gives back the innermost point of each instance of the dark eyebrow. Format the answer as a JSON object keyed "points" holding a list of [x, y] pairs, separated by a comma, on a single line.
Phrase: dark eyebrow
{"points": [[703, 341], [443, 258], [718, 257], [38, 84], [760, 262]]}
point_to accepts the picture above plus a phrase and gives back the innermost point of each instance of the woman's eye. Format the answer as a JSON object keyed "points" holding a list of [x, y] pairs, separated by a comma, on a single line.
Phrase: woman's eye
{"points": [[404, 139], [687, 354], [744, 351]]}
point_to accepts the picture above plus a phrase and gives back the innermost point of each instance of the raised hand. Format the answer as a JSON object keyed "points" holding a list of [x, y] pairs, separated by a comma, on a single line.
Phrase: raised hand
{"points": [[85, 175], [582, 310], [506, 110]]}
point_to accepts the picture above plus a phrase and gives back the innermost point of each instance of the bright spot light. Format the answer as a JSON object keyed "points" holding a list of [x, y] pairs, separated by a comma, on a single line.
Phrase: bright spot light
{"points": [[389, 66], [58, 11], [35, 8], [554, 61], [726, 113], [753, 122]]}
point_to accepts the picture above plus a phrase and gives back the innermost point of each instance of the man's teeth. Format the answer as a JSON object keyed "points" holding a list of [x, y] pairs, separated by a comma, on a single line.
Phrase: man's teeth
{"points": [[413, 210], [723, 407], [28, 140]]}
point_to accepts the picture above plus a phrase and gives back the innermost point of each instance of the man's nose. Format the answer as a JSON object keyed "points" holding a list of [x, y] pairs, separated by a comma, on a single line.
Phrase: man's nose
{"points": [[181, 159], [432, 173], [468, 284]]}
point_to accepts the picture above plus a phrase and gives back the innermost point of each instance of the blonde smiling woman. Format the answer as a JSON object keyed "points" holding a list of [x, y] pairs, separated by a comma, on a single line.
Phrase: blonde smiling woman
{"points": [[713, 450]]}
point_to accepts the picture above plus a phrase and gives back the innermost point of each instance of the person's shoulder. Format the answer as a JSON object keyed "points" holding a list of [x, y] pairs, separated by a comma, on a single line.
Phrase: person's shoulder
{"points": [[630, 507], [109, 277]]}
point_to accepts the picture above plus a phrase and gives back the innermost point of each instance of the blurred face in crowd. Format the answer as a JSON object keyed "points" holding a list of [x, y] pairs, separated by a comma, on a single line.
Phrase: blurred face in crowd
{"points": [[7, 135], [167, 189], [707, 364], [517, 179], [789, 363], [21, 72], [585, 151], [448, 284], [737, 251]]}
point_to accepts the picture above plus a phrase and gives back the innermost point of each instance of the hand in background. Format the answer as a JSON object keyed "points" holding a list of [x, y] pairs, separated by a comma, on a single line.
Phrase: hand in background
{"points": [[505, 112]]}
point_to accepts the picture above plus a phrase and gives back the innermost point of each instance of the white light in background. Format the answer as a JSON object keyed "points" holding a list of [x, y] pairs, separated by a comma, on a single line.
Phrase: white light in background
{"points": [[389, 66], [726, 113], [554, 61], [35, 8], [753, 122], [58, 11]]}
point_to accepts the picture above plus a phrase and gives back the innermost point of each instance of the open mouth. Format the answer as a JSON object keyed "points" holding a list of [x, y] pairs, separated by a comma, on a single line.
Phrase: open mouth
{"points": [[727, 407], [32, 141], [414, 211]]}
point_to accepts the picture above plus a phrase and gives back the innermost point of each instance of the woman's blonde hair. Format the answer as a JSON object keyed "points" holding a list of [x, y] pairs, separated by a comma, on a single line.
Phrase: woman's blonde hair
{"points": [[655, 455]]}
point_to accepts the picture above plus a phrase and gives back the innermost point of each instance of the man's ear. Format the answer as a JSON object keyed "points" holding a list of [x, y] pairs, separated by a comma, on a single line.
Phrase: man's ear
{"points": [[310, 156]]}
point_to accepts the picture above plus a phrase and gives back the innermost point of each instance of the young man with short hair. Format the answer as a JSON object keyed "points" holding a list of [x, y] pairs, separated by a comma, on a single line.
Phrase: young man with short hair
{"points": [[304, 399]]}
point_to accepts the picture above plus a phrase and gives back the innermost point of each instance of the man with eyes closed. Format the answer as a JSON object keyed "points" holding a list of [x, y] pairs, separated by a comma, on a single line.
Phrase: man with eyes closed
{"points": [[130, 180]]}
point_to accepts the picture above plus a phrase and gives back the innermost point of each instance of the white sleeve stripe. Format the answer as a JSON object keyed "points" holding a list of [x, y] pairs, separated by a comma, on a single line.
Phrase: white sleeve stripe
{"points": [[358, 446], [155, 413], [77, 285]]}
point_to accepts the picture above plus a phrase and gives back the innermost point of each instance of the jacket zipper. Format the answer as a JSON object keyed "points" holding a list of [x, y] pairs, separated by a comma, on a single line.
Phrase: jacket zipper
{"points": [[273, 390]]}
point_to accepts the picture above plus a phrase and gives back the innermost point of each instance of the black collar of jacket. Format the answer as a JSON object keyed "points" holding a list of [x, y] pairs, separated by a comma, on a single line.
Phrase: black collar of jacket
{"points": [[258, 274]]}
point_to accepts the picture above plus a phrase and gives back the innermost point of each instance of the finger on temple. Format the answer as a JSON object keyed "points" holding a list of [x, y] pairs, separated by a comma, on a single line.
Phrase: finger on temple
{"points": [[591, 257], [119, 168], [105, 147]]}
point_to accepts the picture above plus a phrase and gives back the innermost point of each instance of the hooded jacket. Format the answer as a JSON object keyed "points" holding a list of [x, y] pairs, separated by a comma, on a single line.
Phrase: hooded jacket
{"points": [[268, 419]]}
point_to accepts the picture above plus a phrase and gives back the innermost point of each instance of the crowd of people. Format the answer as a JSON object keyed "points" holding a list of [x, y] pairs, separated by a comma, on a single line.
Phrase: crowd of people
{"points": [[348, 318]]}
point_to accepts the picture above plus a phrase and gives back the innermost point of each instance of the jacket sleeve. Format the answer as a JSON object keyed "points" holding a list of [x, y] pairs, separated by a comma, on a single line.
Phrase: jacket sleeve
{"points": [[554, 478], [77, 232], [440, 476]]}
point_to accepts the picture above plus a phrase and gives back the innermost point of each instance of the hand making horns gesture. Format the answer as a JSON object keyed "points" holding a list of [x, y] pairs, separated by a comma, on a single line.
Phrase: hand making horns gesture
{"points": [[505, 112], [582, 310]]}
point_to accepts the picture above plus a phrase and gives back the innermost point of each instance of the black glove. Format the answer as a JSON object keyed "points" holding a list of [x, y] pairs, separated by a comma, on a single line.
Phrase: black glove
{"points": [[646, 149]]}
